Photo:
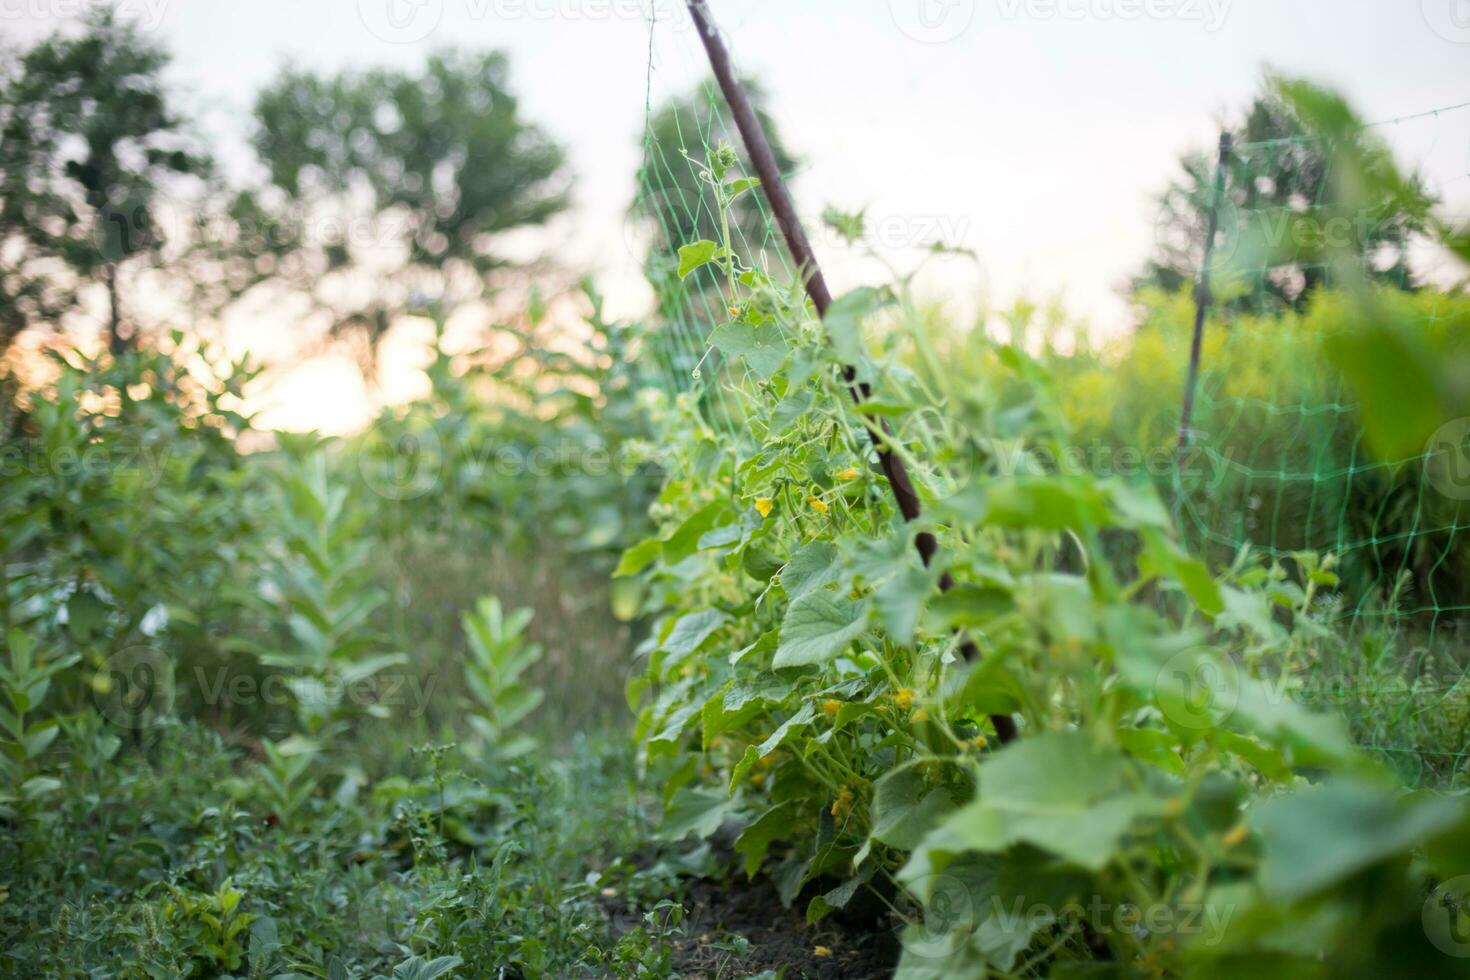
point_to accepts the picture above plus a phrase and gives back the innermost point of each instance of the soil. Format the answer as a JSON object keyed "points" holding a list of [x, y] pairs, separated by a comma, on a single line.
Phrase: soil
{"points": [[780, 940]]}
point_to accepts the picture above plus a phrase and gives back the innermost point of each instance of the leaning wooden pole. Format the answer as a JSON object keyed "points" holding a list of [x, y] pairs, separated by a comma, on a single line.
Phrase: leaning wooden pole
{"points": [[758, 147], [1202, 295]]}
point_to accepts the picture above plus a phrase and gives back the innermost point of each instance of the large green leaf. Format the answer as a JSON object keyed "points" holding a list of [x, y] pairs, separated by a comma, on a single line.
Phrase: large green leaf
{"points": [[818, 627], [638, 557], [684, 540], [753, 843], [795, 725], [695, 811], [1314, 839], [692, 630], [1060, 791], [1398, 378], [695, 256], [814, 566], [844, 321], [907, 805], [762, 348], [1052, 503]]}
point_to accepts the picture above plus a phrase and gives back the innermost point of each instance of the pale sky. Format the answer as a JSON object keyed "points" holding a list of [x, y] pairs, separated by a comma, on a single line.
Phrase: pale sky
{"points": [[1033, 131]]}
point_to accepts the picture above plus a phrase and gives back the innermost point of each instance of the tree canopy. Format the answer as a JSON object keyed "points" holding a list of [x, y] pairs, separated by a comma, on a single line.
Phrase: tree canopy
{"points": [[1284, 211], [406, 177], [89, 142]]}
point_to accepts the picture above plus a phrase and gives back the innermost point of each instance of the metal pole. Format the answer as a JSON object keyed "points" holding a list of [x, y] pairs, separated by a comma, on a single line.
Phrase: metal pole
{"points": [[1202, 296], [764, 162]]}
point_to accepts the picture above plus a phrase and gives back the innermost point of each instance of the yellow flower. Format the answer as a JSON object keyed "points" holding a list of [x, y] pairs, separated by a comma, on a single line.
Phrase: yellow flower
{"points": [[817, 503], [734, 311], [756, 778], [850, 473], [843, 805], [821, 951], [831, 707], [904, 698], [1235, 835], [921, 715], [763, 506], [979, 741]]}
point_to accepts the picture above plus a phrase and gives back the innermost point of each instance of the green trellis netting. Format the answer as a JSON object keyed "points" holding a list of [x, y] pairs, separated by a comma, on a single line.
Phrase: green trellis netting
{"points": [[1278, 464]]}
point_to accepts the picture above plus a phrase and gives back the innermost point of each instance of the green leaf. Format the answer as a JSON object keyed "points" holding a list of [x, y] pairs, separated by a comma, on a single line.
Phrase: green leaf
{"points": [[989, 688], [837, 898], [39, 786], [695, 811], [1250, 611], [1314, 839], [1137, 505], [906, 807], [796, 404], [968, 606], [794, 725], [36, 741], [1045, 503], [696, 256], [1059, 791], [638, 557], [684, 541], [810, 568], [845, 317], [1163, 557], [737, 187], [85, 614], [739, 701], [771, 826], [692, 630], [1397, 378], [900, 602], [817, 627], [762, 348], [360, 670]]}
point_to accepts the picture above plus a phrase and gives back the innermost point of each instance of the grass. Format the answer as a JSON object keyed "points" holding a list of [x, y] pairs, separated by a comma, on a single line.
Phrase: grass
{"points": [[129, 870]]}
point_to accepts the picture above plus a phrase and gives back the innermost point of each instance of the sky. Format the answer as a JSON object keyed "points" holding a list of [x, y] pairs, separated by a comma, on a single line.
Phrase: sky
{"points": [[1034, 132]]}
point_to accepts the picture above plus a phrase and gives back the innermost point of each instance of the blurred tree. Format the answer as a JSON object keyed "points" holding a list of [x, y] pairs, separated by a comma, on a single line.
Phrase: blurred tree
{"points": [[88, 144], [384, 185], [1285, 217]]}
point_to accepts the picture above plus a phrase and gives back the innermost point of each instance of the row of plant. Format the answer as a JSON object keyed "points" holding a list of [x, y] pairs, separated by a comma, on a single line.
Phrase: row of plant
{"points": [[257, 717], [1169, 808]]}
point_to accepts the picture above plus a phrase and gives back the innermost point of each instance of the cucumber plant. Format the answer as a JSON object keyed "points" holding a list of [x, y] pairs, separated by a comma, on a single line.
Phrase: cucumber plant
{"points": [[1168, 809]]}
